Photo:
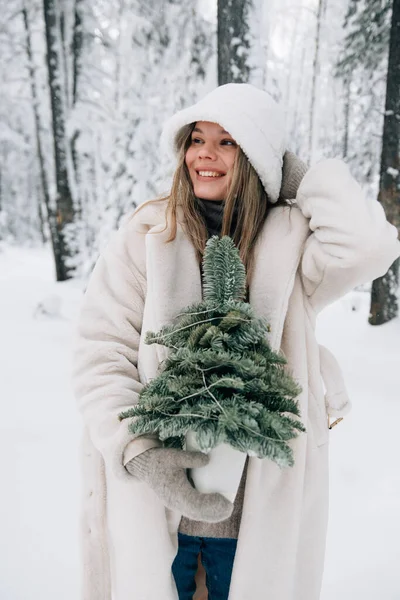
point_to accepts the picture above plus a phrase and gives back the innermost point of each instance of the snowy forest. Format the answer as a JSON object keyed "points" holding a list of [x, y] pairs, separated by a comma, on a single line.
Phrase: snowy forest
{"points": [[85, 89]]}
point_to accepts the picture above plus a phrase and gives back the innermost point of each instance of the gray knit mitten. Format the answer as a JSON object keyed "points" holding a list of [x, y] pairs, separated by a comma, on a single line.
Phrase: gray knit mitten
{"points": [[164, 470], [293, 171]]}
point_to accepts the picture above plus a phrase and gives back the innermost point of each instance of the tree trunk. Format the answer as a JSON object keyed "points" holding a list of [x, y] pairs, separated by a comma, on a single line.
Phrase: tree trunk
{"points": [[384, 300], [314, 84], [233, 41], [64, 203], [77, 43], [41, 214], [42, 168], [347, 108], [76, 51]]}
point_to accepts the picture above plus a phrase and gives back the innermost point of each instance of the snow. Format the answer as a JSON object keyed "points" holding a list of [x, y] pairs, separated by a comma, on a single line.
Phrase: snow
{"points": [[40, 431], [363, 549], [393, 172]]}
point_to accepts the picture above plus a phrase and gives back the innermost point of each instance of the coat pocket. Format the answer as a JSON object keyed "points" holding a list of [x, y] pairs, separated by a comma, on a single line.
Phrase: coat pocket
{"points": [[318, 420], [337, 401]]}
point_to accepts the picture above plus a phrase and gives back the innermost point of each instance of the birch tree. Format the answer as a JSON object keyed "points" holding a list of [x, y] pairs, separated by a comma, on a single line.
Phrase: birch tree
{"points": [[46, 215], [65, 214], [76, 52]]}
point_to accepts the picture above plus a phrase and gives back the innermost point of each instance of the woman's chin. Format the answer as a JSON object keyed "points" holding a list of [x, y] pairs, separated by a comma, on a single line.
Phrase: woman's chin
{"points": [[204, 192]]}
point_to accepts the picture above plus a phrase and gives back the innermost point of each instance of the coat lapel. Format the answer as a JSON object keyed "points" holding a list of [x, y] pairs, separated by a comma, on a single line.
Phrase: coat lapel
{"points": [[173, 278], [174, 281], [277, 255]]}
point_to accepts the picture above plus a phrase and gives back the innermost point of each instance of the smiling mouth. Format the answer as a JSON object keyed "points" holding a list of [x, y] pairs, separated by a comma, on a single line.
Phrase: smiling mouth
{"points": [[209, 174]]}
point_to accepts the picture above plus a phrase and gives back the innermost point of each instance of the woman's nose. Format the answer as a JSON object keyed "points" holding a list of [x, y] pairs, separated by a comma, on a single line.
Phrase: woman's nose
{"points": [[207, 151]]}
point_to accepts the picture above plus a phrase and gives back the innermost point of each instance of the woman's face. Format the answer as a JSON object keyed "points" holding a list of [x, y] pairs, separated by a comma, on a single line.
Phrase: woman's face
{"points": [[210, 159]]}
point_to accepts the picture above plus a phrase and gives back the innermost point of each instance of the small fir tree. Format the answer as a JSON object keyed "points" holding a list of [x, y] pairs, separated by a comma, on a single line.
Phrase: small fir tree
{"points": [[221, 379]]}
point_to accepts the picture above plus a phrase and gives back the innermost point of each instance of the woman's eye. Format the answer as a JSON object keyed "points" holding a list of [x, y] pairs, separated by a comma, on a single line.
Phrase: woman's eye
{"points": [[198, 141]]}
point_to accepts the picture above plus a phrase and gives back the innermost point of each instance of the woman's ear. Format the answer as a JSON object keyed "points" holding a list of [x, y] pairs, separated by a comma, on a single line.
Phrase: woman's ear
{"points": [[293, 171]]}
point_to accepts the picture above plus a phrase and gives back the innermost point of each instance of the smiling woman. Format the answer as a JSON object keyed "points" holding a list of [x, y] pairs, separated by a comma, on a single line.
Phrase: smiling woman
{"points": [[214, 172], [210, 159], [144, 524]]}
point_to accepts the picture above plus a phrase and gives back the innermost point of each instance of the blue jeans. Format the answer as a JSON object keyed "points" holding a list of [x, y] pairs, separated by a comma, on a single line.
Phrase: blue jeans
{"points": [[217, 556]]}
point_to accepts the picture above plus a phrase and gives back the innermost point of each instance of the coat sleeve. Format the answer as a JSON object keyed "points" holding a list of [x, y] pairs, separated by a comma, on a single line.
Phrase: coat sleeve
{"points": [[351, 241], [105, 375]]}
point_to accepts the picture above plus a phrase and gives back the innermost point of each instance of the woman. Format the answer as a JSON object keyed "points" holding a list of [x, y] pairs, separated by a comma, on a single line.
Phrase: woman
{"points": [[137, 498]]}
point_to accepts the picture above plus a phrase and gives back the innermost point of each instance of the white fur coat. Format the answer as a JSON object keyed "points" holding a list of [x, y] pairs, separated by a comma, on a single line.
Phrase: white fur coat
{"points": [[306, 257]]}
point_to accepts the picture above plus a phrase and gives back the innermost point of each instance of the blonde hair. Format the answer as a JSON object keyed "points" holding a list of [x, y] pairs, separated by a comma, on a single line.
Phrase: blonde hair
{"points": [[246, 195]]}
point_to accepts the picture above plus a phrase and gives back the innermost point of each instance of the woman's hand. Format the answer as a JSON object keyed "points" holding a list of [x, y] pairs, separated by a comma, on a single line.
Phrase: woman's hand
{"points": [[164, 470], [351, 240], [293, 171]]}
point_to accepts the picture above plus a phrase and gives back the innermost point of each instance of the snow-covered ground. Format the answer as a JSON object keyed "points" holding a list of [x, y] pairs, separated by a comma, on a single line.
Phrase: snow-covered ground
{"points": [[40, 430]]}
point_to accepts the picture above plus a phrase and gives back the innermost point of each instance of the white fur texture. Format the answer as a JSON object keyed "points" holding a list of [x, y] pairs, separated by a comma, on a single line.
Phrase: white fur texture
{"points": [[305, 257], [253, 119]]}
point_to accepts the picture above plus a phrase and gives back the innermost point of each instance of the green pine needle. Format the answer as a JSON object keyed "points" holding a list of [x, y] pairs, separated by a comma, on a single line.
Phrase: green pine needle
{"points": [[221, 378], [224, 275]]}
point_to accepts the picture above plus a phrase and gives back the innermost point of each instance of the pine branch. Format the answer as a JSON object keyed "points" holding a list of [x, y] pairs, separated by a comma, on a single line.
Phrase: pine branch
{"points": [[221, 379], [225, 277]]}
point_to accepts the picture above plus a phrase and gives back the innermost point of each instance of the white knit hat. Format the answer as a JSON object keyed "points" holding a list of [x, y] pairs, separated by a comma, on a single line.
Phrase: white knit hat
{"points": [[253, 119]]}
